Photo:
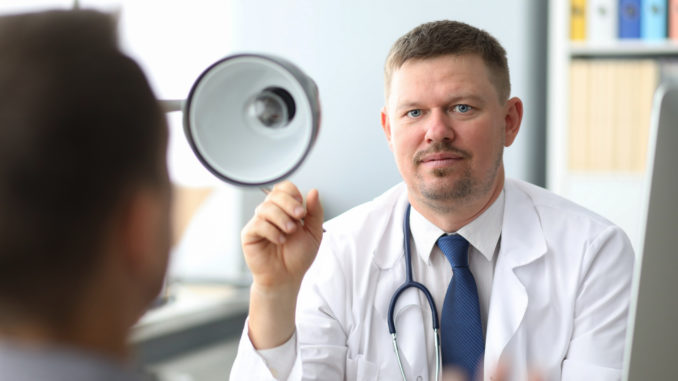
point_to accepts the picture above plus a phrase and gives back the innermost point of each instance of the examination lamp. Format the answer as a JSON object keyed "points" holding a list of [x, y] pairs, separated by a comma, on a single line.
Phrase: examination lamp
{"points": [[251, 119]]}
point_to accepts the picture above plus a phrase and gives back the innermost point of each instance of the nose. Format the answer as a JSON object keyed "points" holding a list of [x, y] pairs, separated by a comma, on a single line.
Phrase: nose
{"points": [[438, 127]]}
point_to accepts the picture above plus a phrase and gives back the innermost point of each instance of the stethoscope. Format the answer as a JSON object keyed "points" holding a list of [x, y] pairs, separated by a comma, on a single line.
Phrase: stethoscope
{"points": [[409, 282]]}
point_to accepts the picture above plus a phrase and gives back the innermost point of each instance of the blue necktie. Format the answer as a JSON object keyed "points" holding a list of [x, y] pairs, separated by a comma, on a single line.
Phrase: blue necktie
{"points": [[460, 327]]}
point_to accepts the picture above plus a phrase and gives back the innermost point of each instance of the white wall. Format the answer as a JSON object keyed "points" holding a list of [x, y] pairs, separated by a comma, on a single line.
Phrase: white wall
{"points": [[343, 45]]}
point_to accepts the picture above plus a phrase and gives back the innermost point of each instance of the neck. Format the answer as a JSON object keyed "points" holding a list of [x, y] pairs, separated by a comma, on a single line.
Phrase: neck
{"points": [[452, 215]]}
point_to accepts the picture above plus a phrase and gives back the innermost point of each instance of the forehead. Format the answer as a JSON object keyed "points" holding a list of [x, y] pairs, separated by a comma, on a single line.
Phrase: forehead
{"points": [[448, 75]]}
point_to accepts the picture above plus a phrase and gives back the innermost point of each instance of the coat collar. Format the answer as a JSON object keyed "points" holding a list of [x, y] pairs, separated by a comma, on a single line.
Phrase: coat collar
{"points": [[390, 250], [482, 233], [525, 238]]}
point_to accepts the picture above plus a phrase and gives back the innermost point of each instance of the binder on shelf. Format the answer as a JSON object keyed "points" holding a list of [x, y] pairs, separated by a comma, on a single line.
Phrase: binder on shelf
{"points": [[626, 85], [602, 20], [602, 115], [672, 10], [629, 18], [578, 141], [653, 20], [609, 118], [577, 20]]}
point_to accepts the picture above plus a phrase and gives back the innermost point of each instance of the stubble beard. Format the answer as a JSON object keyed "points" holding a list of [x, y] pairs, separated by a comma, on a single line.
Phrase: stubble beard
{"points": [[465, 189], [459, 190]]}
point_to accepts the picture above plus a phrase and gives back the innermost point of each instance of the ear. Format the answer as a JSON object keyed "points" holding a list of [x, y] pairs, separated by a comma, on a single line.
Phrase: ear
{"points": [[512, 118], [386, 126], [134, 231], [139, 226]]}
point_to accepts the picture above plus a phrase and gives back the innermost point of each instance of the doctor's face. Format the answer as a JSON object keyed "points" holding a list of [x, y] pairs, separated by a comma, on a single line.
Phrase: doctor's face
{"points": [[447, 127]]}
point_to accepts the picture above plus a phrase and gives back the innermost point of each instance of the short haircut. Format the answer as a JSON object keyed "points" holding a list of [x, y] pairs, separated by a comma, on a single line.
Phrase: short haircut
{"points": [[80, 129], [439, 38]]}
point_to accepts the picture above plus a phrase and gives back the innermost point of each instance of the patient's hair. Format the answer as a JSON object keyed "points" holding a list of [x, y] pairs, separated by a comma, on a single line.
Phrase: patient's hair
{"points": [[439, 38], [79, 129]]}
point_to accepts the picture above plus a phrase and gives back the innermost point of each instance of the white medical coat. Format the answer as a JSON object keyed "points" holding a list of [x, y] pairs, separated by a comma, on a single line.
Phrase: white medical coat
{"points": [[559, 300]]}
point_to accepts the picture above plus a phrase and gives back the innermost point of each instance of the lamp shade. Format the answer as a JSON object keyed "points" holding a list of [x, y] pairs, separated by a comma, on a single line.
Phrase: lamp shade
{"points": [[252, 119]]}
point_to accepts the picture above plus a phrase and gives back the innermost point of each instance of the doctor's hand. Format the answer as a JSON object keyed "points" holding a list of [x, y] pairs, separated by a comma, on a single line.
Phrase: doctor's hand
{"points": [[280, 242]]}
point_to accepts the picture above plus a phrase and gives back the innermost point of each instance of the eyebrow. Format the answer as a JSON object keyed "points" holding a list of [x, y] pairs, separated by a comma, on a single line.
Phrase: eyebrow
{"points": [[407, 106]]}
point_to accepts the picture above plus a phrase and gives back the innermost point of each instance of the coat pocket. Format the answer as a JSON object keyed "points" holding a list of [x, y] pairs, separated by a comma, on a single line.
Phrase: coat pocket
{"points": [[359, 369]]}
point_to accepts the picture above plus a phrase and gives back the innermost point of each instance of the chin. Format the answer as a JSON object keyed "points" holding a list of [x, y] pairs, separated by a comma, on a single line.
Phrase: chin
{"points": [[447, 189]]}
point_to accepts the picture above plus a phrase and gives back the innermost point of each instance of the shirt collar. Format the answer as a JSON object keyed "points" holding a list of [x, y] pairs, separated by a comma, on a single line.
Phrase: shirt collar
{"points": [[482, 233]]}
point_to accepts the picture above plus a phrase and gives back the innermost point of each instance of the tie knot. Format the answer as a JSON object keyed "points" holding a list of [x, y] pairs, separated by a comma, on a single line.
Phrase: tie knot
{"points": [[455, 248]]}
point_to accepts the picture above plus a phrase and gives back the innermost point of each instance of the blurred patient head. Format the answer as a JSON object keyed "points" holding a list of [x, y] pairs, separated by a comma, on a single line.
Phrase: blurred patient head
{"points": [[84, 189]]}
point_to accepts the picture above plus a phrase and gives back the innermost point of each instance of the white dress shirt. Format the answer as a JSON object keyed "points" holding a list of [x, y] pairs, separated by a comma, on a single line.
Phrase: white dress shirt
{"points": [[435, 272]]}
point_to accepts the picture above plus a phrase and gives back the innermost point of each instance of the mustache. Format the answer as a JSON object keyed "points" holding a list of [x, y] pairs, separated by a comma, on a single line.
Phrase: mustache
{"points": [[439, 147]]}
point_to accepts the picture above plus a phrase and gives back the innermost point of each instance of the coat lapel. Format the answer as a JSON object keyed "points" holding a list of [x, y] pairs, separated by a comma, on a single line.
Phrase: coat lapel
{"points": [[522, 243]]}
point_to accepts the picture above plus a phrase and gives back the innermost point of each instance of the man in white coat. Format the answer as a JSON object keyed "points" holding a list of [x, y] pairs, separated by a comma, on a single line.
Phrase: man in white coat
{"points": [[552, 278]]}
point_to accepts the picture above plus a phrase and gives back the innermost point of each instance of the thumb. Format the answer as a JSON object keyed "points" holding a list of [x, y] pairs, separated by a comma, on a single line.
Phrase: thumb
{"points": [[313, 220]]}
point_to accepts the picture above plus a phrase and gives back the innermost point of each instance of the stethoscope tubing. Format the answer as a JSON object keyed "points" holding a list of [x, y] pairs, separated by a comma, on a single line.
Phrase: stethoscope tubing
{"points": [[410, 283]]}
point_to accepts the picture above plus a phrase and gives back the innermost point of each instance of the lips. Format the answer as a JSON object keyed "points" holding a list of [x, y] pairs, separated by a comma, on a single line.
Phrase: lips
{"points": [[445, 156], [439, 159], [440, 154]]}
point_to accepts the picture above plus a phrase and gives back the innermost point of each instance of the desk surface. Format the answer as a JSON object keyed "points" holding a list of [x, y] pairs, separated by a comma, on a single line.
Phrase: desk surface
{"points": [[190, 307]]}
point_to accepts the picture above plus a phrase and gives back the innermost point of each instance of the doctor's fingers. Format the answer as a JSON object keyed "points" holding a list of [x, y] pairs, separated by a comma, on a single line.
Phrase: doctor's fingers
{"points": [[271, 220], [282, 210], [257, 230], [287, 187], [289, 201]]}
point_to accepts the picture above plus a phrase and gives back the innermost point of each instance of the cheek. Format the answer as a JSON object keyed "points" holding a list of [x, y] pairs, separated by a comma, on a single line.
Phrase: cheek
{"points": [[485, 141], [406, 137], [402, 148]]}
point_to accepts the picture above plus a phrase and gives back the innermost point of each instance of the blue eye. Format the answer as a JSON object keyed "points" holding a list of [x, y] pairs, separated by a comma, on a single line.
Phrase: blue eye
{"points": [[414, 113], [462, 108]]}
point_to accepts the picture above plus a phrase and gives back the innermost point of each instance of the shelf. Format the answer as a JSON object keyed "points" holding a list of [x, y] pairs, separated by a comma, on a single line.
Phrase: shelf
{"points": [[614, 195], [628, 48]]}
